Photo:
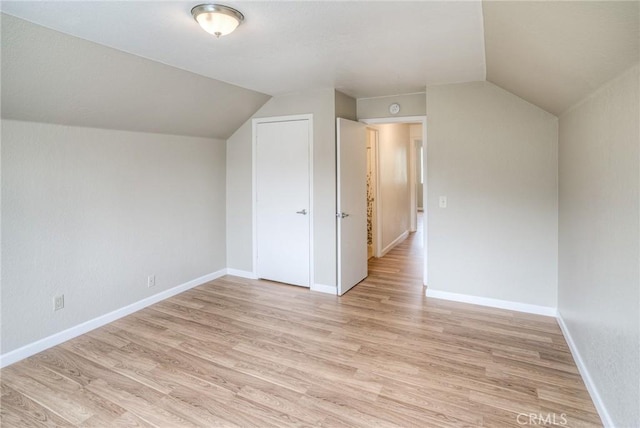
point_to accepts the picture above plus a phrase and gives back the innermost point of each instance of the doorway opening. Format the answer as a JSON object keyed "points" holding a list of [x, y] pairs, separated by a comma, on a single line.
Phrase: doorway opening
{"points": [[396, 184]]}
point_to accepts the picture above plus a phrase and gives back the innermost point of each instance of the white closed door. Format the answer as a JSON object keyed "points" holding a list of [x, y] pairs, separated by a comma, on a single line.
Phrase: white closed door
{"points": [[352, 203], [283, 202]]}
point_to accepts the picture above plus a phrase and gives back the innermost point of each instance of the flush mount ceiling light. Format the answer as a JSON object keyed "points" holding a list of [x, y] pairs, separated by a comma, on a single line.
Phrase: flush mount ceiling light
{"points": [[217, 19]]}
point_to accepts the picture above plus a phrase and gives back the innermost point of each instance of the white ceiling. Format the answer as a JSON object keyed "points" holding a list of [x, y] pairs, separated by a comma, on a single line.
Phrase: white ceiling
{"points": [[362, 48], [550, 53], [555, 53]]}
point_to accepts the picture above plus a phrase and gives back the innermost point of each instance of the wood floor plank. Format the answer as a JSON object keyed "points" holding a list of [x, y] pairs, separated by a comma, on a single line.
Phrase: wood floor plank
{"points": [[127, 419], [20, 411], [239, 352], [100, 408]]}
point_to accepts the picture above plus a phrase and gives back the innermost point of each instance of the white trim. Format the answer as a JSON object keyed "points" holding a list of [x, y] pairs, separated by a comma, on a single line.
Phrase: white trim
{"points": [[395, 242], [254, 140], [425, 184], [241, 273], [586, 377], [494, 303], [396, 119], [290, 118], [77, 330], [413, 200], [339, 208], [378, 201], [392, 96], [321, 288]]}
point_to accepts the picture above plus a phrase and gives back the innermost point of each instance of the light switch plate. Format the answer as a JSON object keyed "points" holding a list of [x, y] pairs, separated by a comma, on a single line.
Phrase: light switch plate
{"points": [[443, 202]]}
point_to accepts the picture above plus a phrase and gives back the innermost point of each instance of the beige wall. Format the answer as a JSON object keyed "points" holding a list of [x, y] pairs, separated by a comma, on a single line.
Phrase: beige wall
{"points": [[393, 179], [410, 105], [345, 106], [599, 278], [320, 103], [495, 158], [90, 213]]}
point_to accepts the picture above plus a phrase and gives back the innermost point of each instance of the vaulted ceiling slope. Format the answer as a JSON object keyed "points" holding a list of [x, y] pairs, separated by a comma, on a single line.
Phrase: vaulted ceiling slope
{"points": [[554, 53], [52, 77], [551, 53], [361, 48]]}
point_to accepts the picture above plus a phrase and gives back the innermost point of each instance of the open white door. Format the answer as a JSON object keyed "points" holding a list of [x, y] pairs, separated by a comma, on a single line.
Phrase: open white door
{"points": [[352, 203]]}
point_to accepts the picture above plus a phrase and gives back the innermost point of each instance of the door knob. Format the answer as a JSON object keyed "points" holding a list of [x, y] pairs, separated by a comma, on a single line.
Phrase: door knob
{"points": [[303, 212], [342, 215]]}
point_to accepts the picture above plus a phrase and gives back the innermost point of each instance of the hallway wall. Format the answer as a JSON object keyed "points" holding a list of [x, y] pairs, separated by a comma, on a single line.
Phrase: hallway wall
{"points": [[415, 133], [393, 143]]}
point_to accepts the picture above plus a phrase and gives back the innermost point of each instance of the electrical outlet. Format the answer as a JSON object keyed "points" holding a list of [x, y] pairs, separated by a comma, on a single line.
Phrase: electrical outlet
{"points": [[58, 302], [151, 281]]}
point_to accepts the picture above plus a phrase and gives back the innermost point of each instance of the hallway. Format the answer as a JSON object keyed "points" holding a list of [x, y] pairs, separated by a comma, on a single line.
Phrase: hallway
{"points": [[405, 261]]}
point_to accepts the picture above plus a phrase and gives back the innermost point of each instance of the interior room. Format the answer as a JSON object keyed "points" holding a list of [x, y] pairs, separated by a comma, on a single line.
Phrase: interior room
{"points": [[309, 213]]}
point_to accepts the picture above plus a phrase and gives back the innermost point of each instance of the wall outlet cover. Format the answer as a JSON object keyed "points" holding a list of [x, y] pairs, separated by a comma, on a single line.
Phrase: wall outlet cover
{"points": [[58, 302]]}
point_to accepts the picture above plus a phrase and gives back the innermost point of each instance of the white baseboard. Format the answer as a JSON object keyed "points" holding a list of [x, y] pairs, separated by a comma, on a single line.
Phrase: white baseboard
{"points": [[75, 331], [395, 242], [494, 303], [241, 273], [58, 338], [586, 377], [321, 288]]}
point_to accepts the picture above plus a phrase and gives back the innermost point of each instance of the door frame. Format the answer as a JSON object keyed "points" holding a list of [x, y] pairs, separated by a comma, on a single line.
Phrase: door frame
{"points": [[412, 179], [254, 186], [414, 143], [413, 199]]}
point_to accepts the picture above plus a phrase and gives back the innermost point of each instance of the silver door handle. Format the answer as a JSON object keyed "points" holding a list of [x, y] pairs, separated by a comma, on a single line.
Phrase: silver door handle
{"points": [[342, 215], [303, 212]]}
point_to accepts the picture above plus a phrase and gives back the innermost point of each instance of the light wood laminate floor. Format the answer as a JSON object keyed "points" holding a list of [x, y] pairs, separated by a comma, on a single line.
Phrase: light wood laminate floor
{"points": [[237, 352]]}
